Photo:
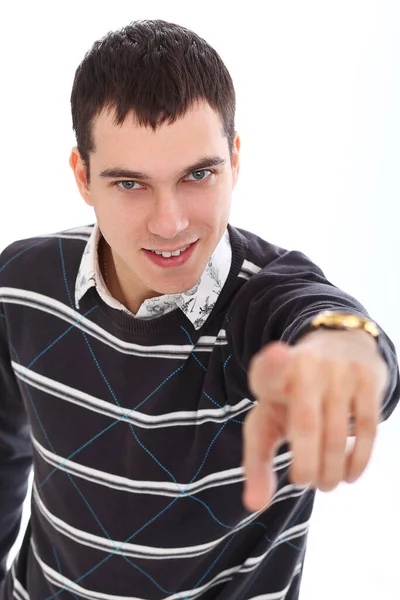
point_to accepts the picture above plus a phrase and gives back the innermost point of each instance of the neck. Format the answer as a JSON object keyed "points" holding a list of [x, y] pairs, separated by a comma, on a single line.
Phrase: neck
{"points": [[120, 290]]}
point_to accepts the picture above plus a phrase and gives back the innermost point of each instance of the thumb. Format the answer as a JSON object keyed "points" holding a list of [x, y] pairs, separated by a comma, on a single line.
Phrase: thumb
{"points": [[268, 372]]}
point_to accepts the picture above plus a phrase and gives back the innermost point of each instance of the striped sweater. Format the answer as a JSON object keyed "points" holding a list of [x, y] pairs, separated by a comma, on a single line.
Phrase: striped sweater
{"points": [[134, 430]]}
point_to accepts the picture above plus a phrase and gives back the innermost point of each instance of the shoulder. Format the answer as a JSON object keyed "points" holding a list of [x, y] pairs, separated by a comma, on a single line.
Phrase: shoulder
{"points": [[276, 285], [264, 264], [255, 248], [25, 258]]}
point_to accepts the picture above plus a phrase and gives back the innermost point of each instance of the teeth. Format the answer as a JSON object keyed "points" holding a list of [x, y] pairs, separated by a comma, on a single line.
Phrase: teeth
{"points": [[169, 254]]}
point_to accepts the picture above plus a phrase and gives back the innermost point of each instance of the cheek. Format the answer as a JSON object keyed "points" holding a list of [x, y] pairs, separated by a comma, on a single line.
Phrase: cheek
{"points": [[116, 216], [108, 219], [220, 208], [213, 205]]}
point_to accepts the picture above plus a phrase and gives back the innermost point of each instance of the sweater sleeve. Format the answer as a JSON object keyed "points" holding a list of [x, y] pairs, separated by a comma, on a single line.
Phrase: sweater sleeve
{"points": [[15, 452], [279, 303]]}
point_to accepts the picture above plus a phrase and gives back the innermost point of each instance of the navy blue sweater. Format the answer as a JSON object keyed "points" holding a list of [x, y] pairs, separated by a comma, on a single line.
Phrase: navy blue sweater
{"points": [[134, 428]]}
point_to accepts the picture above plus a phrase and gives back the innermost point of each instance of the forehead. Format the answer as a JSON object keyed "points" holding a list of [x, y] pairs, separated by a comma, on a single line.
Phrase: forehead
{"points": [[199, 132]]}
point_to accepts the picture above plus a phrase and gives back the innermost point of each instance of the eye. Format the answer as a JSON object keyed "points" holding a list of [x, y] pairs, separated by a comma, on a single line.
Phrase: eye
{"points": [[128, 184], [199, 175]]}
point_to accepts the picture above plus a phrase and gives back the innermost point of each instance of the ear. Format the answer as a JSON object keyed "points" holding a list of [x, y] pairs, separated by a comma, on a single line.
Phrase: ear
{"points": [[79, 168], [235, 159]]}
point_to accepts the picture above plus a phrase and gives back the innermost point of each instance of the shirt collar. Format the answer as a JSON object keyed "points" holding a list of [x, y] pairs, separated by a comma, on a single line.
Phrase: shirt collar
{"points": [[196, 303]]}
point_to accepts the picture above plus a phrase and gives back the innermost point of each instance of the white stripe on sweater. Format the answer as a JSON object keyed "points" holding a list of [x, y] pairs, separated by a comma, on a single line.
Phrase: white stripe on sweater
{"points": [[128, 549], [288, 535], [82, 233], [248, 269], [129, 415], [134, 550], [18, 591], [154, 488], [282, 594], [225, 576], [161, 488], [70, 315]]}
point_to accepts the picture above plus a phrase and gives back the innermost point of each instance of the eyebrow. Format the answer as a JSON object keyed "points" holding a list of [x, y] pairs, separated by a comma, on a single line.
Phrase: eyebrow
{"points": [[203, 163]]}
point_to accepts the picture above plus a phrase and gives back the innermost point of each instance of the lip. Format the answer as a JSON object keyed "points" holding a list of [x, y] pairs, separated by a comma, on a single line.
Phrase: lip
{"points": [[172, 261], [173, 250]]}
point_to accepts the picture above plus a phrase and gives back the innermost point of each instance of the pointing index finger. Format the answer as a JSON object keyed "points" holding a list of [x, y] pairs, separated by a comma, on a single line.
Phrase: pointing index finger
{"points": [[268, 372]]}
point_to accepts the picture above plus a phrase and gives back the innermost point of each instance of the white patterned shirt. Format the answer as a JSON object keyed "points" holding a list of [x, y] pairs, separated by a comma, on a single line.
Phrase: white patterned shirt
{"points": [[196, 303]]}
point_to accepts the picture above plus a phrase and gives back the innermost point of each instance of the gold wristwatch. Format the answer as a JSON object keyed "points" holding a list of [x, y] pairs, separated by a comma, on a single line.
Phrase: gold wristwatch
{"points": [[337, 320]]}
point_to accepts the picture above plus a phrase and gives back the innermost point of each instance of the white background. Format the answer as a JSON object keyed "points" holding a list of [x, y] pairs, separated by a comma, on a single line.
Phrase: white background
{"points": [[318, 90]]}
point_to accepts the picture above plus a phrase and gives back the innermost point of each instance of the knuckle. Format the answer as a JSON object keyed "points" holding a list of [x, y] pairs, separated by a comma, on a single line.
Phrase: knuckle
{"points": [[364, 375], [335, 442], [355, 366], [367, 425], [363, 371], [306, 419], [335, 437], [340, 376], [308, 362], [339, 367]]}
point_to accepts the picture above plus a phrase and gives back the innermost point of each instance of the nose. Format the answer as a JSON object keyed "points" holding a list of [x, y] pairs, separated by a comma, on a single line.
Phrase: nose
{"points": [[167, 218]]}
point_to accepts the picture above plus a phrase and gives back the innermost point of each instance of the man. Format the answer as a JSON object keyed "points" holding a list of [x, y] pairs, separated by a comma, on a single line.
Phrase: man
{"points": [[177, 382]]}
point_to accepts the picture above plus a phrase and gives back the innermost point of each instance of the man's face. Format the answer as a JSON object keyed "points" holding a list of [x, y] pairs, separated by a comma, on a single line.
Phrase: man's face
{"points": [[160, 191]]}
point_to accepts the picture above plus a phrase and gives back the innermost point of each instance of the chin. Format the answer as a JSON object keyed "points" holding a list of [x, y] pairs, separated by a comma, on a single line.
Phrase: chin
{"points": [[177, 288]]}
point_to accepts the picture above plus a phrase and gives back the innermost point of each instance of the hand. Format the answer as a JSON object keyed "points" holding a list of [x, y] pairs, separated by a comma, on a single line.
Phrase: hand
{"points": [[305, 395]]}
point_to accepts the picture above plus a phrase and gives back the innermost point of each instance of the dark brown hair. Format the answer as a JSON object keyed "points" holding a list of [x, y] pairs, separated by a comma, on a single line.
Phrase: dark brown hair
{"points": [[156, 69]]}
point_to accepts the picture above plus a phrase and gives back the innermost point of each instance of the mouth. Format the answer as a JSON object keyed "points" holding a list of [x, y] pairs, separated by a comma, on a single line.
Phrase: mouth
{"points": [[169, 253], [171, 258]]}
